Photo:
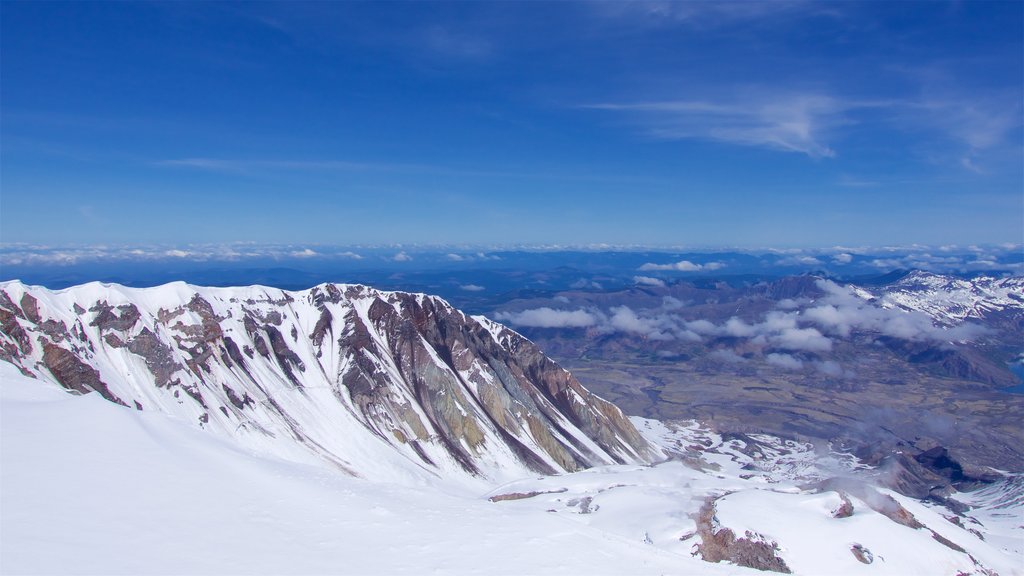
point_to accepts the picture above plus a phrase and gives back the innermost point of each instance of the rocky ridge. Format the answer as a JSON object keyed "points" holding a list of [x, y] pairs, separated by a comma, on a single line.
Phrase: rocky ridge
{"points": [[378, 384]]}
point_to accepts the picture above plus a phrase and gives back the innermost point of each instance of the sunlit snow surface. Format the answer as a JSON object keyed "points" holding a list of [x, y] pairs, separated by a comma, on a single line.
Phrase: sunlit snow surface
{"points": [[92, 487]]}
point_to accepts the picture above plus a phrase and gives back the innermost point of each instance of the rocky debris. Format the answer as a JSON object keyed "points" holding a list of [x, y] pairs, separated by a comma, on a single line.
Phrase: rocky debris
{"points": [[583, 504], [885, 505], [882, 503], [158, 356], [286, 358], [242, 402], [946, 542], [78, 332], [7, 304], [74, 374], [30, 306], [523, 495], [210, 322], [106, 319], [863, 554], [21, 342], [939, 461], [845, 510], [323, 326], [721, 544], [932, 474], [56, 330]]}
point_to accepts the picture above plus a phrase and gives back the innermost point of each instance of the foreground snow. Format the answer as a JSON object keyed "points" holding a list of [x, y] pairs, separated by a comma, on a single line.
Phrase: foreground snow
{"points": [[92, 487], [89, 487]]}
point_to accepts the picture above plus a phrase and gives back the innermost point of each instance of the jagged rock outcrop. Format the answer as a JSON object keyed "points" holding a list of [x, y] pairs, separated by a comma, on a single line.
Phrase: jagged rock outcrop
{"points": [[720, 544], [373, 382]]}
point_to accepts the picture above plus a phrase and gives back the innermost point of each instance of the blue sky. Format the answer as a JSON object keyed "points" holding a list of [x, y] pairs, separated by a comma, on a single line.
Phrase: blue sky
{"points": [[718, 124]]}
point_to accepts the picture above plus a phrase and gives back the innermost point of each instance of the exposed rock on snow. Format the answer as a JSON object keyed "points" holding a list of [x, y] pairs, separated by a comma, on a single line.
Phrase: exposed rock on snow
{"points": [[335, 373]]}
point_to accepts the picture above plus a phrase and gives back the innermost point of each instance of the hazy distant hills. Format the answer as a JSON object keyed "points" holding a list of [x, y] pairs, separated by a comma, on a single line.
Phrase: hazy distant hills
{"points": [[920, 361]]}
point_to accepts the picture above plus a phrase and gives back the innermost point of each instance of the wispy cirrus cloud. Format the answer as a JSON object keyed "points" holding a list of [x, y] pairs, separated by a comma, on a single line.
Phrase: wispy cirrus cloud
{"points": [[703, 14], [979, 123], [788, 122], [812, 122], [252, 165]]}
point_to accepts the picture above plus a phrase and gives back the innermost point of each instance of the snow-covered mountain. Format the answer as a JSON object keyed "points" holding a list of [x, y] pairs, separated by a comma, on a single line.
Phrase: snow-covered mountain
{"points": [[450, 421], [949, 300], [90, 487], [382, 385]]}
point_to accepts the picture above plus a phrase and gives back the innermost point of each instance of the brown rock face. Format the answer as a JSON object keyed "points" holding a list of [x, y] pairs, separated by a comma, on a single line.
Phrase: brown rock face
{"points": [[74, 374], [718, 544], [31, 308], [517, 387], [445, 390], [21, 343]]}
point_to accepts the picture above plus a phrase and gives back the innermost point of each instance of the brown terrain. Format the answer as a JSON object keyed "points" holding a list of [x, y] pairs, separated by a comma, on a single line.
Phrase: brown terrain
{"points": [[870, 392]]}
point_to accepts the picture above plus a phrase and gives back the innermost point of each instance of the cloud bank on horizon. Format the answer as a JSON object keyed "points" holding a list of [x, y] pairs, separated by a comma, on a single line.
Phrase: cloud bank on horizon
{"points": [[655, 265]]}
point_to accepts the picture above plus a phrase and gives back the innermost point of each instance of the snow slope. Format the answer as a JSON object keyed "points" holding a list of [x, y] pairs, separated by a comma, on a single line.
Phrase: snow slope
{"points": [[90, 487], [769, 490], [950, 301]]}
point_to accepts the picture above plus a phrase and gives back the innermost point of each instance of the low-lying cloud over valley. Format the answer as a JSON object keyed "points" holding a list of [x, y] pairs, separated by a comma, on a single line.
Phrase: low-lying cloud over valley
{"points": [[795, 326]]}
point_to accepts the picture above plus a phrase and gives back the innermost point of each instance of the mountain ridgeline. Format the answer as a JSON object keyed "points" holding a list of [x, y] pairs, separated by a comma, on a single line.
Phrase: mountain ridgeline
{"points": [[379, 384]]}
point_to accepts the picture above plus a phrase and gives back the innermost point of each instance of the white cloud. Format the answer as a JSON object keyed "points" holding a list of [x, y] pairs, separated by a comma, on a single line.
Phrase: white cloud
{"points": [[624, 319], [619, 319], [41, 255], [402, 257], [842, 258], [648, 281], [967, 125], [584, 284], [799, 261], [454, 257], [702, 326], [780, 121], [784, 361], [831, 368], [472, 288], [549, 318], [841, 312], [670, 303], [808, 339], [683, 266]]}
